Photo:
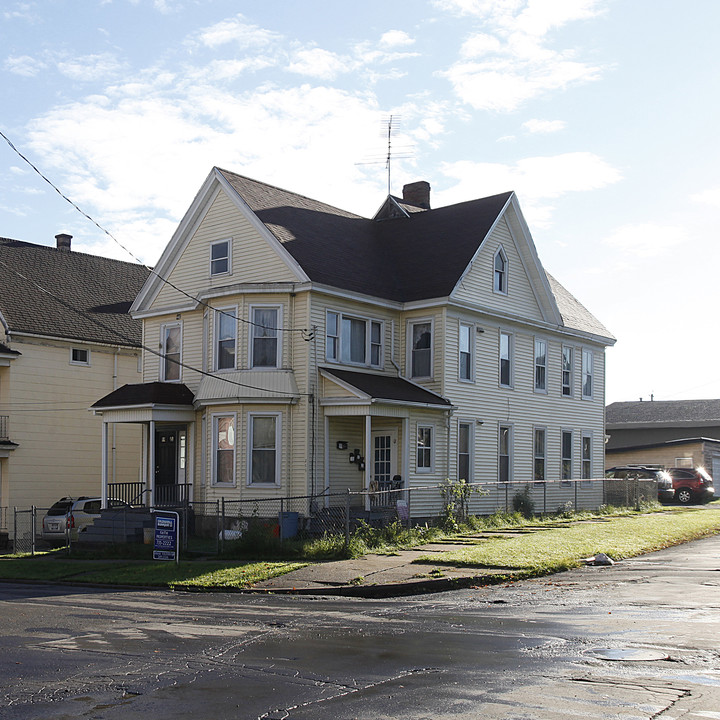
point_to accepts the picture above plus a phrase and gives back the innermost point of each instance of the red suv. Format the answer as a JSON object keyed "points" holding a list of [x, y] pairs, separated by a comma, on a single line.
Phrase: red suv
{"points": [[691, 485]]}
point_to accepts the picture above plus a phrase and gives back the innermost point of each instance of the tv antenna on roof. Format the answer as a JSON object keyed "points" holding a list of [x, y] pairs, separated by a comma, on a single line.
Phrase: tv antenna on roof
{"points": [[390, 125]]}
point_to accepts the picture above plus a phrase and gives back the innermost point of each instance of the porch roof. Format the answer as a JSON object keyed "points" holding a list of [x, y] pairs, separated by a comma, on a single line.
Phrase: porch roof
{"points": [[147, 394], [387, 388]]}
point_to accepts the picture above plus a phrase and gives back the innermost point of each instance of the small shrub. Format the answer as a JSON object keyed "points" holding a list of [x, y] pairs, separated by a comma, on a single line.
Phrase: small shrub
{"points": [[523, 503]]}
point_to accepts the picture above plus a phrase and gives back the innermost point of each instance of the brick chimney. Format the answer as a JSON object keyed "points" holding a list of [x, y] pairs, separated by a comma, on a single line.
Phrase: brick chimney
{"points": [[63, 242], [417, 193]]}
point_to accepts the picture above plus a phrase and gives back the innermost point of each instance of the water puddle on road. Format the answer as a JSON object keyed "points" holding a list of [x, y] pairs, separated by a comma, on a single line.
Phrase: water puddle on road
{"points": [[630, 654]]}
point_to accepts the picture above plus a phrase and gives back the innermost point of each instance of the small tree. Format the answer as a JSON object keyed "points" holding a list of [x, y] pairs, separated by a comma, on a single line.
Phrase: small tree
{"points": [[456, 497]]}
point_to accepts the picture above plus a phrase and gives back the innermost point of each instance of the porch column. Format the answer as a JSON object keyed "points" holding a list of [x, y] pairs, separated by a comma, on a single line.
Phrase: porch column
{"points": [[190, 460], [326, 462], [151, 463], [406, 452], [368, 459], [104, 461], [145, 463]]}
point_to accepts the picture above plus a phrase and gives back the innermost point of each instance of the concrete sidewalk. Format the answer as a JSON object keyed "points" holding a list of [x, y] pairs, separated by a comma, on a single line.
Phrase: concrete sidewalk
{"points": [[387, 575]]}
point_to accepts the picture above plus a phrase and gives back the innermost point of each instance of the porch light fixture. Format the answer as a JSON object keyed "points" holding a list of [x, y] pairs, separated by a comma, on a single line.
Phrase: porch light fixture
{"points": [[341, 445], [361, 464], [352, 458]]}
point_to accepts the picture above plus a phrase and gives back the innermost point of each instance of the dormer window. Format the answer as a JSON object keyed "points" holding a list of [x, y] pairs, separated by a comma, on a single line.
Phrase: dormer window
{"points": [[220, 257], [500, 279]]}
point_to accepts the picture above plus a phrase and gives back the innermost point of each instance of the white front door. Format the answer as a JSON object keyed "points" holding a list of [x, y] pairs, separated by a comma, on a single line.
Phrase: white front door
{"points": [[383, 465]]}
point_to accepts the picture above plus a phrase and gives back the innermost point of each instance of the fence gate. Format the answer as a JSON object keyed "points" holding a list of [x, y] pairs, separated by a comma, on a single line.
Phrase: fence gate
{"points": [[24, 536]]}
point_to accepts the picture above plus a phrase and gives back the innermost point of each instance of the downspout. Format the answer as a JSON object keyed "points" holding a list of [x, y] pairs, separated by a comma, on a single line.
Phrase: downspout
{"points": [[114, 425]]}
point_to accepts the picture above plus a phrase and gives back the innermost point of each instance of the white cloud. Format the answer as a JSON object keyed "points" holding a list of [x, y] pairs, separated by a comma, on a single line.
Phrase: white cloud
{"points": [[646, 240], [236, 30], [24, 65], [396, 38], [544, 126], [89, 68], [318, 63], [711, 197]]}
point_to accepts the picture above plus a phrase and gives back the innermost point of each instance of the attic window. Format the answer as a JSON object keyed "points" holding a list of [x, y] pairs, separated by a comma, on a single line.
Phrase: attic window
{"points": [[79, 356], [220, 257], [500, 272]]}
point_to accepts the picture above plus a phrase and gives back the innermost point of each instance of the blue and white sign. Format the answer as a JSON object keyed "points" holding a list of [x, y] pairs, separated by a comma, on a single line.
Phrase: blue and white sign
{"points": [[166, 538]]}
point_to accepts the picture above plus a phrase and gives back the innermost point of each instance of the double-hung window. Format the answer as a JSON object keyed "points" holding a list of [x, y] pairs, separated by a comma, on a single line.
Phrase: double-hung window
{"points": [[220, 257], [265, 348], [171, 352], [224, 449], [225, 338], [505, 359], [586, 456], [264, 449], [539, 450], [566, 460], [500, 271], [353, 340], [465, 352], [504, 452], [421, 349], [540, 365], [567, 371], [425, 447], [465, 451], [587, 374]]}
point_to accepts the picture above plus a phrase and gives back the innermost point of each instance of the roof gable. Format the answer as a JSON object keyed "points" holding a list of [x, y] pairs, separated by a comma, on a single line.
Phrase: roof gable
{"points": [[68, 294]]}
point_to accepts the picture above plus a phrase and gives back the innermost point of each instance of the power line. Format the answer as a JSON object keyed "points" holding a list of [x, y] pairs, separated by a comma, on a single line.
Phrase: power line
{"points": [[307, 334]]}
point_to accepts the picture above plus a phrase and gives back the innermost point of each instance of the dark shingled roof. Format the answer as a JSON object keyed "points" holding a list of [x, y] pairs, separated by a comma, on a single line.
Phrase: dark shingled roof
{"points": [[387, 387], [664, 411], [71, 295], [154, 393], [402, 258]]}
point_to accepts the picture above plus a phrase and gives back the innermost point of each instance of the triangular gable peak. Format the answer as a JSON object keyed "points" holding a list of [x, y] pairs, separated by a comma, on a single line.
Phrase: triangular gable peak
{"points": [[168, 285], [527, 281]]}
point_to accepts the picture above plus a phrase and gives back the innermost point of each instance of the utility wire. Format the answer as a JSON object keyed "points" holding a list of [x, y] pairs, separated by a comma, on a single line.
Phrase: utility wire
{"points": [[307, 334]]}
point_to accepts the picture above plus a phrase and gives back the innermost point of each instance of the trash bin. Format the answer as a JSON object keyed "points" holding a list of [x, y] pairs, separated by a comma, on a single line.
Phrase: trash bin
{"points": [[288, 525]]}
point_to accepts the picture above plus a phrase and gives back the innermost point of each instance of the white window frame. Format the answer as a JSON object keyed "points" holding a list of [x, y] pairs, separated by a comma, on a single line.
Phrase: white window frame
{"points": [[586, 462], [588, 372], [500, 278], [510, 350], [215, 418], [410, 349], [469, 329], [540, 369], [73, 361], [278, 336], [164, 328], [423, 469], [230, 314], [566, 458], [470, 424], [338, 355], [228, 257], [509, 454], [539, 454], [567, 376], [251, 417]]}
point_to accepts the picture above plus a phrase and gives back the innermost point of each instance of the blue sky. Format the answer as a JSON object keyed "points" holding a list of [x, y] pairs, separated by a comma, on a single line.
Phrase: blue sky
{"points": [[601, 114]]}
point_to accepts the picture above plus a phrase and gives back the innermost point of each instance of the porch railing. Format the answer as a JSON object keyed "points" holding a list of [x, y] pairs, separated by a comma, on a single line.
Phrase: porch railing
{"points": [[136, 494]]}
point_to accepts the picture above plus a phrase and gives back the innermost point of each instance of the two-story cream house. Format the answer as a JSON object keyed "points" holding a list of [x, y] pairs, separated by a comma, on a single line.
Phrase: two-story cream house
{"points": [[65, 338], [293, 348]]}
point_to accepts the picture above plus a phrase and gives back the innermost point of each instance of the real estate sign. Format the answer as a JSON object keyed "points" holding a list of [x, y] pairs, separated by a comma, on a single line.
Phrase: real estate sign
{"points": [[166, 538]]}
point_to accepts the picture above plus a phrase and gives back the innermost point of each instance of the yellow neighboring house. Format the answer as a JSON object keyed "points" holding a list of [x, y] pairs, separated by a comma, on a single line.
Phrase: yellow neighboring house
{"points": [[296, 349], [65, 338]]}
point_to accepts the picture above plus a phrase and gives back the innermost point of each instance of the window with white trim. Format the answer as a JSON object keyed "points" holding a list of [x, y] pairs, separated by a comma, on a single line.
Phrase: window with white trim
{"points": [[425, 448], [171, 352], [500, 272], [466, 352], [220, 257], [225, 338], [465, 451], [505, 360], [586, 456], [421, 349], [353, 340], [223, 468], [504, 453], [587, 374], [539, 454], [566, 453], [264, 337], [540, 365], [79, 356], [567, 370], [264, 449]]}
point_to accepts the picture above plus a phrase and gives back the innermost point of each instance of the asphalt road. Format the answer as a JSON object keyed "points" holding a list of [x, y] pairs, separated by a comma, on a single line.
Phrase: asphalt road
{"points": [[527, 650]]}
